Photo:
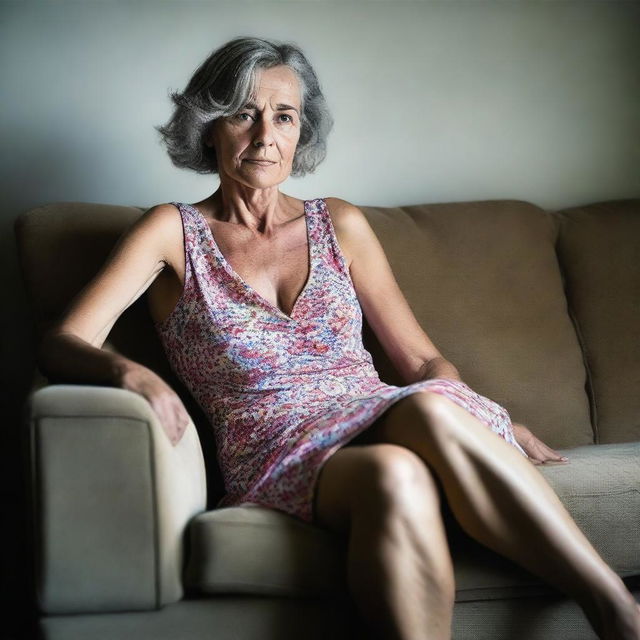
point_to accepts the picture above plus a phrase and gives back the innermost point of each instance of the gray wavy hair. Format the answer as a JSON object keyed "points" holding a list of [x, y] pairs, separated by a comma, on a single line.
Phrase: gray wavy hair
{"points": [[223, 84]]}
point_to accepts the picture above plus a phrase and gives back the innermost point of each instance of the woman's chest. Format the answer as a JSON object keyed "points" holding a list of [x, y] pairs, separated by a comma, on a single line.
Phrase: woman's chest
{"points": [[275, 267]]}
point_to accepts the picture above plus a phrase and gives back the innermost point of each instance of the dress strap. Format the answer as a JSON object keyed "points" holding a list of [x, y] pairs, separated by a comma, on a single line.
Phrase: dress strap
{"points": [[188, 222], [326, 240], [197, 233], [187, 289]]}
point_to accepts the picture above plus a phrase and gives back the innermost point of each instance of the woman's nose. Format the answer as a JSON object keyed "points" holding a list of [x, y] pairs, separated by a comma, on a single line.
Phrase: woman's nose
{"points": [[263, 135]]}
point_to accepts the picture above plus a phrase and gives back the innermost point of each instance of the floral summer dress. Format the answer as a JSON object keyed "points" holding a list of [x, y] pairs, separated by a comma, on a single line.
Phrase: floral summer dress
{"points": [[283, 393]]}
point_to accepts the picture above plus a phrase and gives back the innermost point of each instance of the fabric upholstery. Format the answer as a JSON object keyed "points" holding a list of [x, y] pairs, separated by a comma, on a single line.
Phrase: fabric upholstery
{"points": [[600, 486], [252, 549], [85, 234], [271, 618], [483, 281], [113, 499], [220, 618], [599, 252]]}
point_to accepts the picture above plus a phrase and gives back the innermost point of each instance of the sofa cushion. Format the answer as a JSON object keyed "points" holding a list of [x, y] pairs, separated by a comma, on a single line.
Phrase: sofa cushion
{"points": [[252, 549], [82, 234], [61, 247], [600, 486], [256, 550], [484, 283], [599, 253]]}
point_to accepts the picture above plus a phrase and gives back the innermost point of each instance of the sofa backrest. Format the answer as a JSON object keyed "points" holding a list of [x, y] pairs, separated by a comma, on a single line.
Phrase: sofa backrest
{"points": [[61, 247], [599, 252], [482, 278]]}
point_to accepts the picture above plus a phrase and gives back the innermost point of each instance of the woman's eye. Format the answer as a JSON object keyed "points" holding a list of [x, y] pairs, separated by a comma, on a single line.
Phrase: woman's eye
{"points": [[285, 117], [243, 116]]}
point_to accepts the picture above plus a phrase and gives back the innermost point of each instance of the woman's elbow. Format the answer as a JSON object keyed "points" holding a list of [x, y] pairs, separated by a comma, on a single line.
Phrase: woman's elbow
{"points": [[438, 367], [48, 352]]}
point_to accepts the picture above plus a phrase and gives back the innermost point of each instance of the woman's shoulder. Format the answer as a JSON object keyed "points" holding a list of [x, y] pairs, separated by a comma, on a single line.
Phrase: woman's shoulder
{"points": [[163, 212], [163, 219], [351, 226], [340, 206], [346, 217], [161, 225]]}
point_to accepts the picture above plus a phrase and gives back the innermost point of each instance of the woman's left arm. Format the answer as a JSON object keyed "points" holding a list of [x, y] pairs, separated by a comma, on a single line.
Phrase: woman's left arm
{"points": [[383, 304]]}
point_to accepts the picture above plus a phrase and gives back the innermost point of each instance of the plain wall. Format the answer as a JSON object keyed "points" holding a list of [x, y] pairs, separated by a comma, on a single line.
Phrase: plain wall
{"points": [[433, 102]]}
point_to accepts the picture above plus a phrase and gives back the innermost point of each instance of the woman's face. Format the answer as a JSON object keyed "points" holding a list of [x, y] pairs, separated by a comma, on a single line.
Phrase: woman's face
{"points": [[256, 145]]}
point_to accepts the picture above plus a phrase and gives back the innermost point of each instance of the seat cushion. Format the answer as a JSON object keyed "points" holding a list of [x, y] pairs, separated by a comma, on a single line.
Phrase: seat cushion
{"points": [[255, 550], [483, 281], [600, 486], [599, 253]]}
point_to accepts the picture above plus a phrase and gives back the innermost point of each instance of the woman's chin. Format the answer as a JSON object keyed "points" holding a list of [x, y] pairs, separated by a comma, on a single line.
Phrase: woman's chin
{"points": [[256, 180]]}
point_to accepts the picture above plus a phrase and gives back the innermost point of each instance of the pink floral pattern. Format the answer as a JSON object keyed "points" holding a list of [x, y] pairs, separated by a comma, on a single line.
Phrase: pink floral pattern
{"points": [[283, 393]]}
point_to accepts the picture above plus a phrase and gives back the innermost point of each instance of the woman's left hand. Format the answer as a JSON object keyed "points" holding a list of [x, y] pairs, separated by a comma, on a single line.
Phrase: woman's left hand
{"points": [[538, 451]]}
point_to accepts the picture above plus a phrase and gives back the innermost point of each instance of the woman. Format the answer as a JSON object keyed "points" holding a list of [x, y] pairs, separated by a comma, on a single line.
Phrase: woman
{"points": [[257, 297]]}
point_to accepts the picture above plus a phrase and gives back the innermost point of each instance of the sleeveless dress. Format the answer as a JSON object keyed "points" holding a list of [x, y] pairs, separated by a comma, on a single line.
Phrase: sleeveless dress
{"points": [[284, 392]]}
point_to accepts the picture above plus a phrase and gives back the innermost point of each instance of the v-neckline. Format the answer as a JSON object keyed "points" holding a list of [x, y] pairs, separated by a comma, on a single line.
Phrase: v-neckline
{"points": [[247, 287]]}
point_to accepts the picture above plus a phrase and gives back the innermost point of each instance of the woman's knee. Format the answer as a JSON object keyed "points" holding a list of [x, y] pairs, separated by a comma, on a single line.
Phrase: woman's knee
{"points": [[429, 405], [378, 481], [374, 481], [420, 416], [392, 473]]}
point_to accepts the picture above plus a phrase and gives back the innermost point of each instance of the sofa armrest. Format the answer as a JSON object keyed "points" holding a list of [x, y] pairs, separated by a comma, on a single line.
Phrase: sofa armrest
{"points": [[111, 499]]}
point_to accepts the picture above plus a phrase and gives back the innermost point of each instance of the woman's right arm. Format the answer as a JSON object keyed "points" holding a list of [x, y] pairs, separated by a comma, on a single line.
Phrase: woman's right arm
{"points": [[71, 350]]}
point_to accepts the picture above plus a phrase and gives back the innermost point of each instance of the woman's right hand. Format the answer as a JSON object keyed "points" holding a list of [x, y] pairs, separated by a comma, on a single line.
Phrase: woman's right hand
{"points": [[163, 399], [65, 357]]}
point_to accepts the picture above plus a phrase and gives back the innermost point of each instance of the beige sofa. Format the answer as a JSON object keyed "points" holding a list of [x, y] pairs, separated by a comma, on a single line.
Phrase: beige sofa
{"points": [[539, 311]]}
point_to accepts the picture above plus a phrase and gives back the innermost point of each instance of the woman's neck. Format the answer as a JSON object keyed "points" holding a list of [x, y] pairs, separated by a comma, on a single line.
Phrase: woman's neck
{"points": [[260, 210]]}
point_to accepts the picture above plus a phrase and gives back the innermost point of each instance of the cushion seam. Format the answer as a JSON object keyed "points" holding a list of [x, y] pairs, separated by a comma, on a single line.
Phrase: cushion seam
{"points": [[589, 387], [154, 510], [90, 416], [597, 495]]}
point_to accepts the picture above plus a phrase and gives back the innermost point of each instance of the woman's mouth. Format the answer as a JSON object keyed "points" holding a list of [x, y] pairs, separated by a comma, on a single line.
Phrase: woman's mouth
{"points": [[261, 163]]}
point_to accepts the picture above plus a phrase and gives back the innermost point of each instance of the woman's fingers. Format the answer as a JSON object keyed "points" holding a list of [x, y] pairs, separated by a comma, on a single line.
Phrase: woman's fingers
{"points": [[164, 401], [174, 418], [181, 421], [538, 451], [553, 455], [547, 454]]}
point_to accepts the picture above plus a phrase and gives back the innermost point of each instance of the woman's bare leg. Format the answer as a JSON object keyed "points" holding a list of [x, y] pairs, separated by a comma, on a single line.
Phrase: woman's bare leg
{"points": [[399, 568], [502, 500]]}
